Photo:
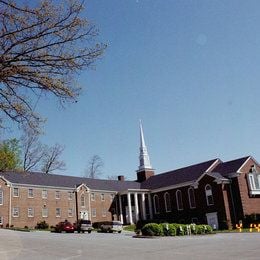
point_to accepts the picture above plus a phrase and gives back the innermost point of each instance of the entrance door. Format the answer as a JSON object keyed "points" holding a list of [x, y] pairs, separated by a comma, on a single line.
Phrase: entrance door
{"points": [[212, 219], [84, 215], [127, 215]]}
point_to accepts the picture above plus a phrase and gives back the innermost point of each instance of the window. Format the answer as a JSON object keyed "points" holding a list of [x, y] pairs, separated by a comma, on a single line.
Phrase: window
{"points": [[179, 200], [70, 195], [92, 196], [70, 212], [191, 196], [167, 202], [15, 212], [94, 213], [57, 195], [16, 192], [156, 204], [30, 193], [44, 212], [30, 212], [253, 179], [1, 197], [104, 212], [102, 196], [58, 212], [209, 196], [1, 220], [82, 201], [44, 194]]}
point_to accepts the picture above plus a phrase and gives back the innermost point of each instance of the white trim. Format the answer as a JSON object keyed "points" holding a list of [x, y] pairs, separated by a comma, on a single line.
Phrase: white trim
{"points": [[218, 161], [156, 207], [18, 212], [2, 197], [18, 191], [30, 197], [165, 202], [239, 170], [177, 201], [191, 188], [184, 184], [32, 211]]}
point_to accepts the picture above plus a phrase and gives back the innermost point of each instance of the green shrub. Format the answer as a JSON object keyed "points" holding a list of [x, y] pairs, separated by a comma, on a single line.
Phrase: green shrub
{"points": [[42, 225], [152, 229], [168, 229]]}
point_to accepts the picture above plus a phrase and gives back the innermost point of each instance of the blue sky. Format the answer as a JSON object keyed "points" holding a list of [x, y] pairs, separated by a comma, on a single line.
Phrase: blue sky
{"points": [[188, 69]]}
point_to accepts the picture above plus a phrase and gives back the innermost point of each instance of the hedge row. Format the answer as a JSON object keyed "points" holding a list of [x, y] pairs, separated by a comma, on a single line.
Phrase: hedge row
{"points": [[165, 229]]}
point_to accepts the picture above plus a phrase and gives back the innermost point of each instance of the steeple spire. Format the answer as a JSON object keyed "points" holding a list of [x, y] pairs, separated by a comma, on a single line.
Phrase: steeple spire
{"points": [[144, 161]]}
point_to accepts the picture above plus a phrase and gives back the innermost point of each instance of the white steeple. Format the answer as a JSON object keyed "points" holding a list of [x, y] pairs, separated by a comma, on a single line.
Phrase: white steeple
{"points": [[144, 161]]}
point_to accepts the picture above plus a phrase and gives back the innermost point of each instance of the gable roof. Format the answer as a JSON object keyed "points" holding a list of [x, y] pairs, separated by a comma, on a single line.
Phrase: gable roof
{"points": [[63, 181], [187, 174], [227, 168]]}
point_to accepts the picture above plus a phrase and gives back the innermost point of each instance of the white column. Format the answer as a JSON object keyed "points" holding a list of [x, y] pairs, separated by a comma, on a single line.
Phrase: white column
{"points": [[136, 207], [150, 206], [130, 218], [120, 209], [143, 206]]}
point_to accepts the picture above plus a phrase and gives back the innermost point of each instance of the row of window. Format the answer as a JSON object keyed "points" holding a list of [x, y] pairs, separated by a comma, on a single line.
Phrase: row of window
{"points": [[16, 193], [45, 212], [179, 201]]}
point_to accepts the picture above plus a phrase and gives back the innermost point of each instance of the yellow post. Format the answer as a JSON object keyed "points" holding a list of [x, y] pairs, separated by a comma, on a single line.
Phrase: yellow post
{"points": [[251, 227]]}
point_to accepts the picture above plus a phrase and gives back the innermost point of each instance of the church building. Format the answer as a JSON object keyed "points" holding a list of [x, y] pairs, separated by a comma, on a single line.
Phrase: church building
{"points": [[213, 192]]}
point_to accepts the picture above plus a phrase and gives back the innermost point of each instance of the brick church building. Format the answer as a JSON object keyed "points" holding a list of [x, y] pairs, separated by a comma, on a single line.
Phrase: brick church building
{"points": [[214, 192]]}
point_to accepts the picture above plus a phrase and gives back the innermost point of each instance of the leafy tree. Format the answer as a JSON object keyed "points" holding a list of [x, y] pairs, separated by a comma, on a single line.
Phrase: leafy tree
{"points": [[42, 48], [10, 155], [94, 167]]}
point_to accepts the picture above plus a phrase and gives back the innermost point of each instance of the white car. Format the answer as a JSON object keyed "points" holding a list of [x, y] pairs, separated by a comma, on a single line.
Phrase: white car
{"points": [[111, 226]]}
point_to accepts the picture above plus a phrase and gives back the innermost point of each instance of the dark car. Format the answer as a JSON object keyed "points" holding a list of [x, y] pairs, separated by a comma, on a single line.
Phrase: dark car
{"points": [[64, 226], [83, 225]]}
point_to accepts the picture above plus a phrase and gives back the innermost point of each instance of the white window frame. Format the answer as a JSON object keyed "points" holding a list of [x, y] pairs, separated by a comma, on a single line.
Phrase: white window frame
{"points": [[190, 199], [179, 200], [70, 212], [57, 194], [44, 194], [30, 193], [58, 212], [1, 197], [82, 201], [208, 193], [92, 195], [167, 204], [45, 212], [104, 212], [16, 212], [156, 204], [15, 189], [70, 195], [30, 212], [94, 213], [102, 197]]}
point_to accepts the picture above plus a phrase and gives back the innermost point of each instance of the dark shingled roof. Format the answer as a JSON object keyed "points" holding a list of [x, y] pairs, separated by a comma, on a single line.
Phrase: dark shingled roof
{"points": [[48, 180], [229, 167], [190, 173]]}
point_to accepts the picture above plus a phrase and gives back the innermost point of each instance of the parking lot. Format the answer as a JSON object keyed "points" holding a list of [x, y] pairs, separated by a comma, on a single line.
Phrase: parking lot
{"points": [[46, 245]]}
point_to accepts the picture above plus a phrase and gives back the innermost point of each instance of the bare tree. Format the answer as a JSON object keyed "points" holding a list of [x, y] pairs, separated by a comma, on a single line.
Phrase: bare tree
{"points": [[51, 160], [94, 167], [42, 48]]}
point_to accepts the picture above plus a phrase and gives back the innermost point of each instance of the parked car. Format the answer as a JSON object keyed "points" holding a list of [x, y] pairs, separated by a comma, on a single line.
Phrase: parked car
{"points": [[64, 226], [83, 226], [111, 226]]}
